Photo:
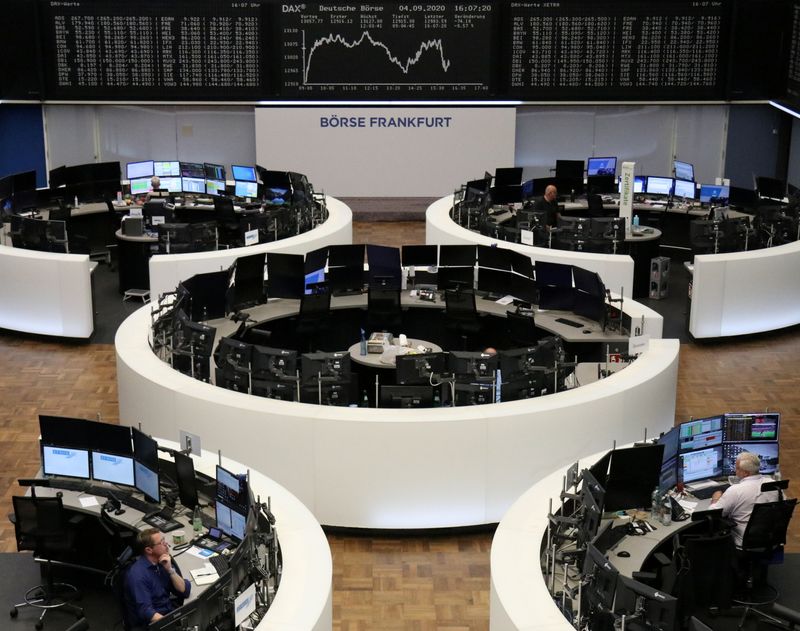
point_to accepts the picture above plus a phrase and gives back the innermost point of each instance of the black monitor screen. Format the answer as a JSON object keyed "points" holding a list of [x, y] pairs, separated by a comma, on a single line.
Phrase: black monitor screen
{"points": [[494, 257], [473, 365], [420, 255], [285, 275], [495, 282], [418, 369], [745, 428], [65, 432], [346, 279], [457, 255], [187, 487], [569, 169], [384, 266], [316, 260], [207, 292], [406, 396], [521, 263], [326, 366], [601, 166], [346, 255], [145, 449], [270, 363], [633, 474], [115, 439], [248, 281], [455, 278], [507, 176]]}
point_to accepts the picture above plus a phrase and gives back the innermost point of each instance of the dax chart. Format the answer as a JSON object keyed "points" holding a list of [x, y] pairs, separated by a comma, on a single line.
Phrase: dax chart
{"points": [[393, 50]]}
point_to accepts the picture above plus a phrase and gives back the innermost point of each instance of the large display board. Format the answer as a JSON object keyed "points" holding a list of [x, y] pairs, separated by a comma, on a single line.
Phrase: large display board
{"points": [[534, 50], [205, 49]]}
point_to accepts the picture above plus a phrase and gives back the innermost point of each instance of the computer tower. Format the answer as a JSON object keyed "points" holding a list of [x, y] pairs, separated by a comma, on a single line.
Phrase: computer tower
{"points": [[132, 226], [659, 277]]}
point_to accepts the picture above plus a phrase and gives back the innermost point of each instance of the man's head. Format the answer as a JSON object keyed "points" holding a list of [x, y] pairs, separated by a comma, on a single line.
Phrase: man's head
{"points": [[155, 182], [747, 463], [152, 543], [551, 193], [491, 350]]}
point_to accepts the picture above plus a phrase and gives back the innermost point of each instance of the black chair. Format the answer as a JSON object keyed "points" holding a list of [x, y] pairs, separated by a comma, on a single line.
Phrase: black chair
{"points": [[115, 580], [461, 315], [383, 310], [762, 543], [313, 320], [41, 525], [227, 222], [595, 205], [120, 538], [521, 329]]}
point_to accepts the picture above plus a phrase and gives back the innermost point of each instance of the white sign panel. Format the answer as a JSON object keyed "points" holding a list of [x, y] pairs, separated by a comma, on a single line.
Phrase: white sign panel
{"points": [[386, 152], [626, 194]]}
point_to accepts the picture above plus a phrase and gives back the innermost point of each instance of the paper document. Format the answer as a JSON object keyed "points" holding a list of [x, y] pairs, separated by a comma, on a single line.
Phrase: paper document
{"points": [[89, 500], [505, 300], [200, 552], [204, 575]]}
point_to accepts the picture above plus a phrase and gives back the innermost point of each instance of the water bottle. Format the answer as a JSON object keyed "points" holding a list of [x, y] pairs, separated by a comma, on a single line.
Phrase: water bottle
{"points": [[363, 349], [777, 474], [655, 505], [197, 522], [75, 204], [364, 399], [666, 510], [636, 220]]}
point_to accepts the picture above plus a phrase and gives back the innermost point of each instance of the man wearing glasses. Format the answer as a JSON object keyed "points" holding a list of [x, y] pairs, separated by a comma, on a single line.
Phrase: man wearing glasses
{"points": [[153, 585]]}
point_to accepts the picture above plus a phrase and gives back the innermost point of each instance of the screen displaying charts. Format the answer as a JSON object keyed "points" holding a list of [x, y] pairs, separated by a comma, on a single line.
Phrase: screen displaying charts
{"points": [[408, 50]]}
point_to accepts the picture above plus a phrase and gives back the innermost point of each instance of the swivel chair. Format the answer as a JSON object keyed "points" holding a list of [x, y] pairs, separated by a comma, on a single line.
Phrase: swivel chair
{"points": [[40, 525], [227, 222], [762, 543], [521, 329], [313, 320], [115, 579], [383, 310], [461, 315], [595, 205]]}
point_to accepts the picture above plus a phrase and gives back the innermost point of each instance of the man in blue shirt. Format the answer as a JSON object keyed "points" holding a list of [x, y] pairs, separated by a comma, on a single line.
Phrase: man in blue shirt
{"points": [[153, 584]]}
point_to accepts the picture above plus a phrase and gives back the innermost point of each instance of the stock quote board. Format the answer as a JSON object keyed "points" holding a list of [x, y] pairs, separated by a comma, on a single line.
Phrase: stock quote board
{"points": [[115, 49], [629, 49], [388, 50]]}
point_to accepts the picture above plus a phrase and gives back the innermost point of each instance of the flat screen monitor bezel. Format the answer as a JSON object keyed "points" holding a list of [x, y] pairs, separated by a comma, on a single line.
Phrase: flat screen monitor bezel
{"points": [[245, 189], [652, 180], [593, 172], [85, 453], [144, 173], [249, 169], [683, 167], [128, 481], [174, 172], [187, 491], [682, 456]]}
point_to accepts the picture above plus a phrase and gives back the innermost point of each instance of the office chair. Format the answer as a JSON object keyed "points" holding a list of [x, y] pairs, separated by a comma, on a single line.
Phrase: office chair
{"points": [[460, 314], [227, 222], [313, 320], [763, 541], [595, 205], [115, 579], [521, 329], [40, 525], [120, 538], [383, 310]]}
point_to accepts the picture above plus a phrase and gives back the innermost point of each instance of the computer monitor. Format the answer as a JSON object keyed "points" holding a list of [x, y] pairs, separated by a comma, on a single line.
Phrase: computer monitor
{"points": [[601, 166], [669, 462], [285, 275], [494, 257], [402, 396], [64, 431], [214, 171], [271, 389], [245, 189], [65, 461], [145, 466], [517, 362], [185, 617], [232, 489], [700, 465], [649, 608], [418, 369], [601, 184], [457, 255], [273, 363], [685, 189], [474, 366], [110, 438], [639, 182], [193, 170], [327, 366], [140, 186], [108, 467], [569, 169], [752, 427], [171, 184], [166, 169], [554, 282], [683, 170], [770, 187], [600, 579], [247, 289], [507, 176], [455, 278], [655, 185], [244, 173], [420, 255], [495, 282], [135, 170], [187, 486], [632, 475], [384, 267], [591, 514], [215, 187], [767, 452], [710, 192], [195, 185], [701, 433]]}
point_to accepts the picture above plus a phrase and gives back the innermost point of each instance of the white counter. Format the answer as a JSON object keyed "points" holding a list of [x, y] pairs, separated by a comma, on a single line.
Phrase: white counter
{"points": [[167, 270], [375, 468], [616, 270], [46, 293], [745, 292]]}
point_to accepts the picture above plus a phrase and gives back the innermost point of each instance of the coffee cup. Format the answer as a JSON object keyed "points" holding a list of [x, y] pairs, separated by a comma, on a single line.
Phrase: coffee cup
{"points": [[178, 537]]}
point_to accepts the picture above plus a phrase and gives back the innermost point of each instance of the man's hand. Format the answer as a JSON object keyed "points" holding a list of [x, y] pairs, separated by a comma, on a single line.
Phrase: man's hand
{"points": [[165, 561], [716, 496]]}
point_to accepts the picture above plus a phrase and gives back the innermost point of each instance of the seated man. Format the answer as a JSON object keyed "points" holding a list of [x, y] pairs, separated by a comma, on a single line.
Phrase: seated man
{"points": [[737, 501], [153, 584], [549, 204]]}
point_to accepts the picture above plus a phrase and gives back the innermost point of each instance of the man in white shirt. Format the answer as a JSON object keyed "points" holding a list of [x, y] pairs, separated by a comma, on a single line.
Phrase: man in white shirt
{"points": [[737, 501]]}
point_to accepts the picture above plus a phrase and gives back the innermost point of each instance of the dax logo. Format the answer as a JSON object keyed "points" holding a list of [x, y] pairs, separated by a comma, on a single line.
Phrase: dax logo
{"points": [[292, 8]]}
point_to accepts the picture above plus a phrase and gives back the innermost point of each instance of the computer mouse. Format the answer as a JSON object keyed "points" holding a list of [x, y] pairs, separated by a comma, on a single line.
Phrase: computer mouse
{"points": [[586, 331], [59, 494], [624, 554]]}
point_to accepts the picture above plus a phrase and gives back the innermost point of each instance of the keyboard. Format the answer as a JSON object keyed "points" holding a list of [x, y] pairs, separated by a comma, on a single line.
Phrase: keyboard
{"points": [[141, 505], [208, 521], [578, 325], [706, 492], [219, 563]]}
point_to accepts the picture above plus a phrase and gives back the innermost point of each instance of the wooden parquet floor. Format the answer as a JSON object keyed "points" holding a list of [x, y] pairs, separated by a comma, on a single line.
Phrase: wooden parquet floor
{"points": [[415, 583]]}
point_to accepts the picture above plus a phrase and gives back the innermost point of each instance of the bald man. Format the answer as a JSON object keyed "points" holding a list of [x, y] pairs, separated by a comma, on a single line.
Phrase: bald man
{"points": [[549, 204]]}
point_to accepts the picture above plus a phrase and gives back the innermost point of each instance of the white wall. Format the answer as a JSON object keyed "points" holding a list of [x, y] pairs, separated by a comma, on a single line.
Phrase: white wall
{"points": [[371, 160]]}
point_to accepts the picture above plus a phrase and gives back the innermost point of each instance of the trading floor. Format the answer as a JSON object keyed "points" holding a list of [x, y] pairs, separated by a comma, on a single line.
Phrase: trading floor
{"points": [[411, 582]]}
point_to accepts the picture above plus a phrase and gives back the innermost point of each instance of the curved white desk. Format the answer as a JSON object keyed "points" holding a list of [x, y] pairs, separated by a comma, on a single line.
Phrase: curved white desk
{"points": [[46, 293], [616, 270], [405, 469], [167, 270], [304, 600], [745, 292]]}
